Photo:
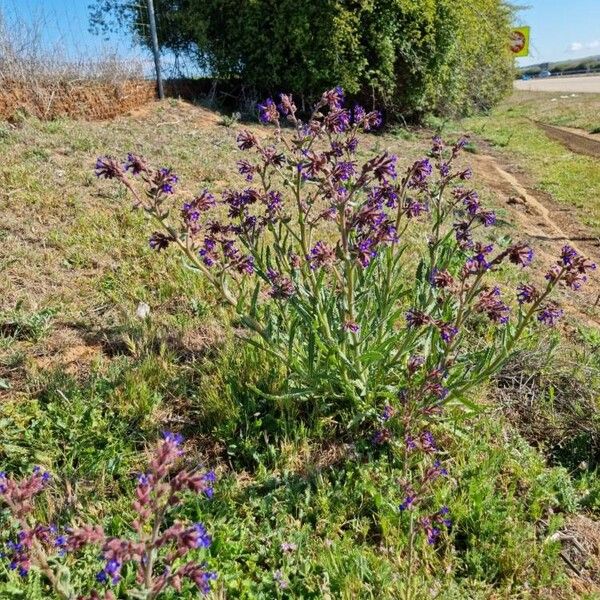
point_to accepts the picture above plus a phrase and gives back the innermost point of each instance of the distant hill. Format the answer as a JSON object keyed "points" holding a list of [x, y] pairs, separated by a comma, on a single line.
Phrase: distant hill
{"points": [[589, 63]]}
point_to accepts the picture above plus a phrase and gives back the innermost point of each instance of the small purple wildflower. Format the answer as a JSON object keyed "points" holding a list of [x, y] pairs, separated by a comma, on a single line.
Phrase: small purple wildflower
{"points": [[526, 293], [288, 547], [351, 326], [108, 167], [267, 111], [550, 314]]}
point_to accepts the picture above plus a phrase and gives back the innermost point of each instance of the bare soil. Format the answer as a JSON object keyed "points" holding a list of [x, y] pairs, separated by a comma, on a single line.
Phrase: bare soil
{"points": [[544, 221], [79, 99], [575, 140]]}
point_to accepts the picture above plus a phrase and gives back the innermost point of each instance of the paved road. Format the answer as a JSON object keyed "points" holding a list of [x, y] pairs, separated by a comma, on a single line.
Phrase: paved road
{"points": [[583, 84]]}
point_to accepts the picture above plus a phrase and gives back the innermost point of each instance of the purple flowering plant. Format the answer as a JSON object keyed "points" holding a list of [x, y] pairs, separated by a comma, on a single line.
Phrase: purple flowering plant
{"points": [[312, 257], [157, 551]]}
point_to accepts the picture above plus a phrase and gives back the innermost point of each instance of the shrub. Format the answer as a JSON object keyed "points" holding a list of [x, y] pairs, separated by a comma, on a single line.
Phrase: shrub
{"points": [[410, 57]]}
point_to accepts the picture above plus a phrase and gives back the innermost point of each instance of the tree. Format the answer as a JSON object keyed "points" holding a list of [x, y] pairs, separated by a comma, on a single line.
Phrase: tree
{"points": [[413, 56]]}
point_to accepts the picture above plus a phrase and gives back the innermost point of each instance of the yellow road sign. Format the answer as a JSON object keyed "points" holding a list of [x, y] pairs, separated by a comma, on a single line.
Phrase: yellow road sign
{"points": [[519, 41]]}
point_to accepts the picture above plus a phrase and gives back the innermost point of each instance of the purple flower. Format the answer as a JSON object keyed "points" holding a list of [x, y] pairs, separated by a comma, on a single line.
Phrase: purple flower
{"points": [[414, 208], [416, 318], [337, 149], [440, 279], [288, 547], [369, 121], [337, 121], [489, 303], [358, 114], [447, 331], [421, 169], [567, 255], [414, 363], [343, 170], [280, 579], [111, 571], [333, 98], [487, 217], [520, 254], [246, 140], [408, 502], [166, 179], [267, 112], [203, 540], [208, 252], [553, 273], [176, 439], [471, 201], [387, 413], [365, 252], [437, 144], [463, 234], [351, 326], [465, 174], [432, 532], [321, 255], [274, 202], [428, 442], [245, 265], [136, 164], [286, 105], [352, 145], [282, 288], [159, 241], [526, 293], [460, 144], [550, 314], [108, 168], [384, 166], [246, 168], [381, 436], [208, 479]]}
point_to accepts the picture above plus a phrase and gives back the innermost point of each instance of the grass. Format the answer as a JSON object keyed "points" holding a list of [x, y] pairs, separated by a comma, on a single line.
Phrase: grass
{"points": [[86, 385], [579, 111], [571, 179]]}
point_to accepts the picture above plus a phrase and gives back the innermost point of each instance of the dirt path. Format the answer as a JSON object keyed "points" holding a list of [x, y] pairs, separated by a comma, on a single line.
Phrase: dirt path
{"points": [[579, 142], [547, 224]]}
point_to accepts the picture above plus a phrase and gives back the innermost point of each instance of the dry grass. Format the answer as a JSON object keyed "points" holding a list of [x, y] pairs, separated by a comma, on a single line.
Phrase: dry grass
{"points": [[45, 83]]}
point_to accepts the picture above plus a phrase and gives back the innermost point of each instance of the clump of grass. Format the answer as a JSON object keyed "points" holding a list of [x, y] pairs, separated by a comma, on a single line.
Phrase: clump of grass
{"points": [[551, 395], [231, 120], [22, 325]]}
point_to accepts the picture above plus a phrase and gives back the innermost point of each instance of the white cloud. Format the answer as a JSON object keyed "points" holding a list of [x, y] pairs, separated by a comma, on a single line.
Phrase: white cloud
{"points": [[579, 46]]}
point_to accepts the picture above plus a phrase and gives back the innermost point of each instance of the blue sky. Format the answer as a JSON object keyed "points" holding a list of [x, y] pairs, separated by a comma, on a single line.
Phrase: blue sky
{"points": [[65, 24], [560, 29]]}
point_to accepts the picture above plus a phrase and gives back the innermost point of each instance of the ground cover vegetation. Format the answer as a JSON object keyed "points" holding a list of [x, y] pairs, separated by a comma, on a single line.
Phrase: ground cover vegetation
{"points": [[318, 463], [570, 178]]}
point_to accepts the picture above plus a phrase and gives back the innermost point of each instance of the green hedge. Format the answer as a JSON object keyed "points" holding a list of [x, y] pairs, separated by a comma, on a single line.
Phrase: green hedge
{"points": [[410, 57]]}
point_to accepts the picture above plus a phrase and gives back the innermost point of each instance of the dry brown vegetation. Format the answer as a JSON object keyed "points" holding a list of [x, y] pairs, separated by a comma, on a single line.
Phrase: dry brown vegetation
{"points": [[46, 83]]}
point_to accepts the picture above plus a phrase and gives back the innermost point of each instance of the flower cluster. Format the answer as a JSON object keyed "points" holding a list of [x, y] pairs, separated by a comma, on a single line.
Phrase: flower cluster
{"points": [[405, 430], [322, 233], [157, 549]]}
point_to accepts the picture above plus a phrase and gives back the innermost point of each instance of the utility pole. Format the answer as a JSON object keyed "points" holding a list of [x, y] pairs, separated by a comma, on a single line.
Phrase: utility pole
{"points": [[155, 49]]}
